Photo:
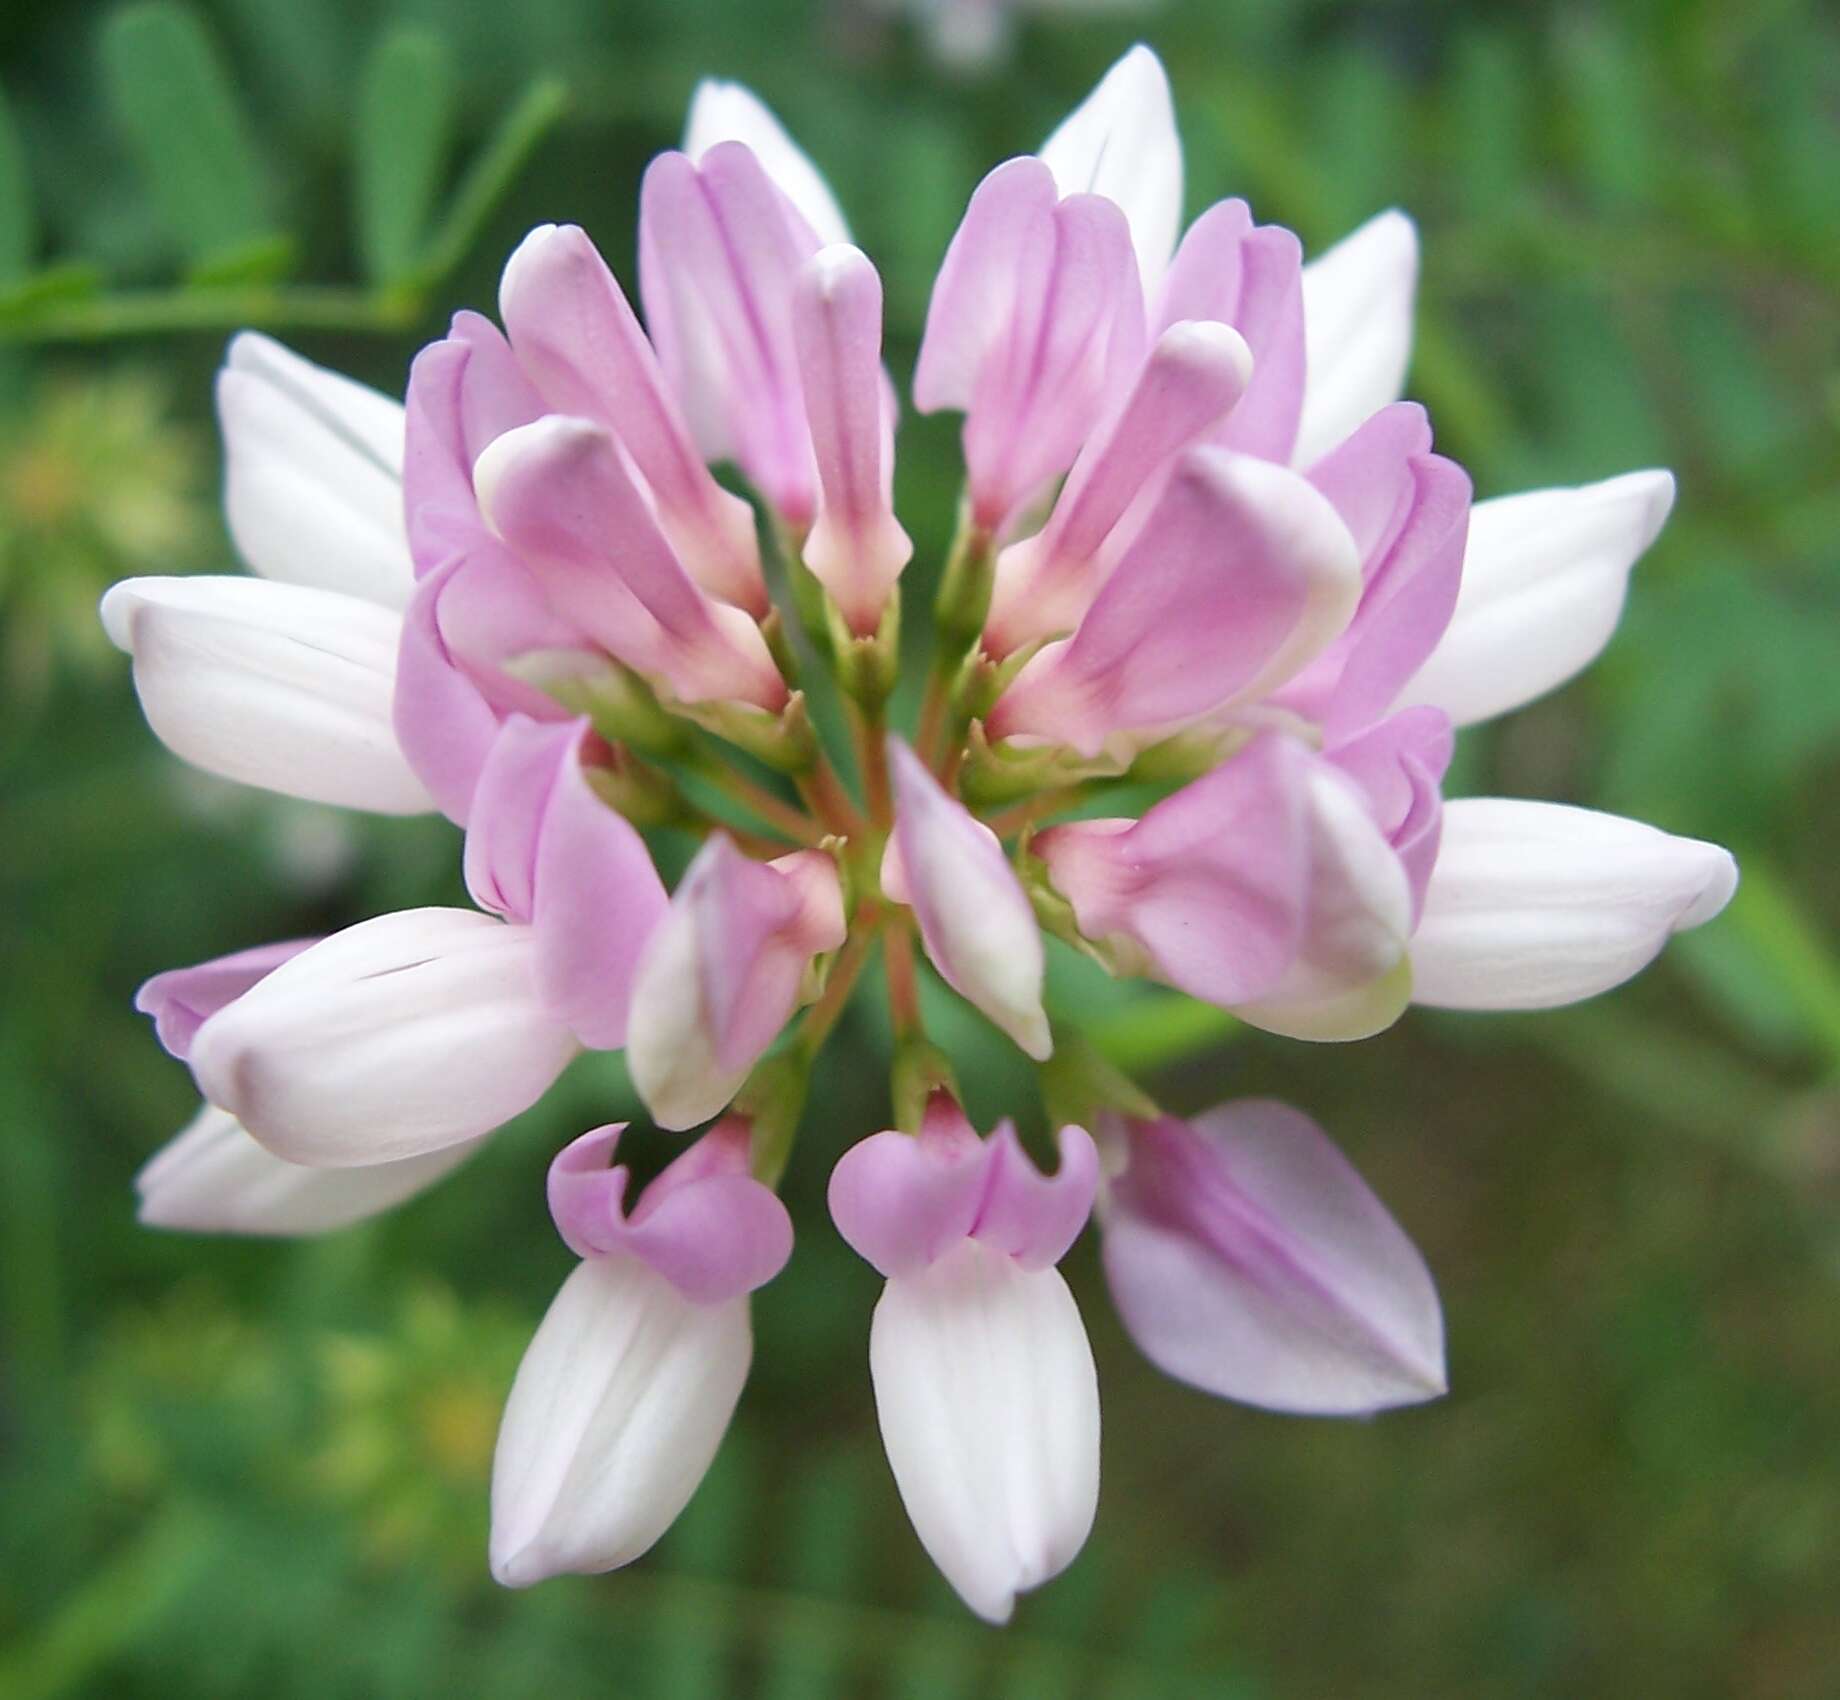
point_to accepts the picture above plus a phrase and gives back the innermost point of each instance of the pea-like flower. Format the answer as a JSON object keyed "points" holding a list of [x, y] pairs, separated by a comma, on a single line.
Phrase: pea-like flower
{"points": [[1215, 611]]}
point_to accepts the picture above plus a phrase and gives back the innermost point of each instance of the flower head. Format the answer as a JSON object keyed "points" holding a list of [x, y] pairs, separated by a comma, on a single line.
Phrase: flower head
{"points": [[1215, 611]]}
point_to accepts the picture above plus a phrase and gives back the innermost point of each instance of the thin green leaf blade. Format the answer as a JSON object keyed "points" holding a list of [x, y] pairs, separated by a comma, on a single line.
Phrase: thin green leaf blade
{"points": [[406, 107], [179, 114], [18, 225]]}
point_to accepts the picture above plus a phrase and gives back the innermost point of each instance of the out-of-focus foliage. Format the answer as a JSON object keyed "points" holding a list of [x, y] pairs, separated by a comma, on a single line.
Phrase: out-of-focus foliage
{"points": [[238, 1469]]}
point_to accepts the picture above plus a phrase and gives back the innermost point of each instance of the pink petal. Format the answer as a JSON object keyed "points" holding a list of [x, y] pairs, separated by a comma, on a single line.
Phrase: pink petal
{"points": [[904, 1202], [704, 1224], [1242, 572], [1251, 278], [1207, 892], [720, 247], [1031, 1216], [559, 493], [1400, 763], [975, 919], [598, 899], [577, 338], [1194, 374], [1248, 1258], [856, 548], [182, 999]]}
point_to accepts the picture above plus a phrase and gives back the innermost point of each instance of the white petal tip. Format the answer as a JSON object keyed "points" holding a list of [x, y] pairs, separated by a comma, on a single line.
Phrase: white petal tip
{"points": [[1717, 889]]}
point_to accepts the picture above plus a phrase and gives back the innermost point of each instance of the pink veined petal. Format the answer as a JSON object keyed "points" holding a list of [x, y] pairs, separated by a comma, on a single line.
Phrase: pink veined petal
{"points": [[705, 1224], [1532, 905], [1248, 1258], [598, 901], [902, 1202], [1231, 272], [1075, 330], [1350, 978], [558, 493], [399, 1036], [464, 391], [1121, 142], [1207, 892], [181, 1000], [974, 294], [576, 336], [1408, 599], [1193, 376], [1399, 763], [1033, 1217], [720, 248], [856, 548], [975, 919], [1241, 574], [442, 721], [728, 112]]}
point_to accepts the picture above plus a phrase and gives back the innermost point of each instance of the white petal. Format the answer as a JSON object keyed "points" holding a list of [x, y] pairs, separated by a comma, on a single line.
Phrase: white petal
{"points": [[1544, 576], [396, 1037], [1121, 142], [729, 112], [214, 1179], [275, 685], [313, 473], [989, 1408], [616, 1413], [1357, 324], [1537, 904]]}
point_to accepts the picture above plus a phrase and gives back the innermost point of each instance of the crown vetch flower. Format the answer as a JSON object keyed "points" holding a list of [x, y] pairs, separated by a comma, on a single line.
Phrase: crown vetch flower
{"points": [[1206, 556]]}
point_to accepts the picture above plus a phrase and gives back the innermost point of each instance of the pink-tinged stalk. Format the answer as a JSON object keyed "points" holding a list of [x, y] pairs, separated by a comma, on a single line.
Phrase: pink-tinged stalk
{"points": [[856, 548], [1248, 1258]]}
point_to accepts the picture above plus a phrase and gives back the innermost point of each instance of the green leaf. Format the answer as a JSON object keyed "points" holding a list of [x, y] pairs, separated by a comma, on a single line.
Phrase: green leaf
{"points": [[491, 174], [179, 114], [267, 259], [406, 105], [18, 232]]}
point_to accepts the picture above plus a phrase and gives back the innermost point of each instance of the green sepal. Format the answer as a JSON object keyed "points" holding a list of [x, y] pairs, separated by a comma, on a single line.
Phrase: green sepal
{"points": [[784, 741], [1078, 1085], [619, 704], [919, 1070], [866, 667], [773, 1099], [1000, 773]]}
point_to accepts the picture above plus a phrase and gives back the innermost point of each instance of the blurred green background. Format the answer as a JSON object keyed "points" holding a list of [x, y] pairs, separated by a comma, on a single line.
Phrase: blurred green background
{"points": [[260, 1469]]}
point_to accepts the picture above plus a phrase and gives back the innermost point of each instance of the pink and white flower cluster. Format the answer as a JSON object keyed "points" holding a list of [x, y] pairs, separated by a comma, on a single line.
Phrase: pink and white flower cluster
{"points": [[1205, 554]]}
